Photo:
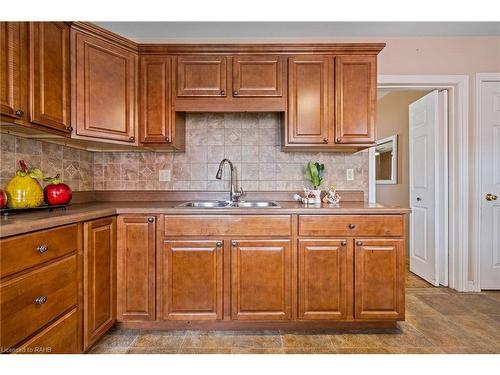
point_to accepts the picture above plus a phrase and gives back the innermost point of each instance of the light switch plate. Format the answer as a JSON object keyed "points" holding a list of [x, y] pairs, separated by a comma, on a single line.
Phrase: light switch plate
{"points": [[349, 174], [164, 175]]}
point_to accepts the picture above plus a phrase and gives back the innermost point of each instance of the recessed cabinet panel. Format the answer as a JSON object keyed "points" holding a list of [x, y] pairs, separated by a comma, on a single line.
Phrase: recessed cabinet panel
{"points": [[355, 97], [49, 70], [192, 280], [105, 89], [12, 37], [201, 76], [156, 105], [308, 113], [323, 282], [261, 279], [256, 76], [99, 278], [379, 279], [136, 244]]}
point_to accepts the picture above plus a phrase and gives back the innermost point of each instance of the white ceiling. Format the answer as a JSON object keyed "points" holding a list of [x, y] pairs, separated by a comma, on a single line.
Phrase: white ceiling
{"points": [[189, 31]]}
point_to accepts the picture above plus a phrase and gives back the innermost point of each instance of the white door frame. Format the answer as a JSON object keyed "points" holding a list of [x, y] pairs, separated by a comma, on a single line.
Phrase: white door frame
{"points": [[458, 172], [480, 78]]}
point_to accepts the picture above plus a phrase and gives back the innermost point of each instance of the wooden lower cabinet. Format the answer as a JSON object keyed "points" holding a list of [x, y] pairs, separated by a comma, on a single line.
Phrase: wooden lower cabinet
{"points": [[192, 283], [324, 285], [58, 338], [99, 279], [379, 279], [261, 279], [136, 242]]}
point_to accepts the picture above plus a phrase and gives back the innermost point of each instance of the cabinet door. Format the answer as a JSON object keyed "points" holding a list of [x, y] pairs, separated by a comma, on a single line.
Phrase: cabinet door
{"points": [[156, 104], [49, 72], [379, 279], [105, 89], [12, 39], [136, 268], [355, 97], [99, 277], [308, 111], [201, 76], [323, 278], [192, 281], [260, 279], [255, 76]]}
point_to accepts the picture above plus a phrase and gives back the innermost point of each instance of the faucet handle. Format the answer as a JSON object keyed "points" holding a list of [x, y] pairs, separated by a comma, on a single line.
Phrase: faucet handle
{"points": [[238, 193]]}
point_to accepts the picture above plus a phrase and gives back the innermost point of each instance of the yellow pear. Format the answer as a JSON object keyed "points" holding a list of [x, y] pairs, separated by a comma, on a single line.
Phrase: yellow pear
{"points": [[24, 191]]}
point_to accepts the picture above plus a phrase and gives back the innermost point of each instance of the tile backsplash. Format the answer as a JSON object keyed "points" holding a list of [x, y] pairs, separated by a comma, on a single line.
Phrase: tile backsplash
{"points": [[73, 165], [250, 140]]}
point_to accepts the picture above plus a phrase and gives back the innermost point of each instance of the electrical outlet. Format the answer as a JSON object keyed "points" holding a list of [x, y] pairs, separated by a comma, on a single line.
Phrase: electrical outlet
{"points": [[164, 175], [349, 174]]}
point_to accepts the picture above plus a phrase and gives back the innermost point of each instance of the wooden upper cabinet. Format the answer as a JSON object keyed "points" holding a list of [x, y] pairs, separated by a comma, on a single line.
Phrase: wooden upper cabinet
{"points": [[355, 99], [99, 278], [191, 281], [308, 98], [156, 113], [323, 279], [379, 279], [49, 71], [12, 48], [104, 81], [136, 242], [261, 279], [257, 76], [201, 76]]}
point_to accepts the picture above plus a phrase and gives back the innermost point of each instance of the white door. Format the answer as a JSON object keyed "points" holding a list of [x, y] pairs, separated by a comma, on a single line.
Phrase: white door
{"points": [[490, 185], [428, 187]]}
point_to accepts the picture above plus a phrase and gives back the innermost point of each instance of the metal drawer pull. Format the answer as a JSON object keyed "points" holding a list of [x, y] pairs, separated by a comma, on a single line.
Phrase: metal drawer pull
{"points": [[343, 243], [234, 243], [359, 243], [352, 226], [151, 219], [42, 248], [218, 243], [40, 300]]}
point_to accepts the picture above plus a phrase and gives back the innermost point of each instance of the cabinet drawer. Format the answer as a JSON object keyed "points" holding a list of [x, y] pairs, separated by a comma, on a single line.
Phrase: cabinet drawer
{"points": [[22, 252], [351, 225], [225, 225], [22, 315], [61, 337]]}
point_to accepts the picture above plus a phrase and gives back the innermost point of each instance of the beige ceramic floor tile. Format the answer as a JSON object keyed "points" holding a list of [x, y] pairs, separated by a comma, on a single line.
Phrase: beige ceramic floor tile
{"points": [[305, 340]]}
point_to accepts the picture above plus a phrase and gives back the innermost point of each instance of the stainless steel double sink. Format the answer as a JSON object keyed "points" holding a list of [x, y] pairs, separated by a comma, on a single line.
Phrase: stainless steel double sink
{"points": [[228, 204]]}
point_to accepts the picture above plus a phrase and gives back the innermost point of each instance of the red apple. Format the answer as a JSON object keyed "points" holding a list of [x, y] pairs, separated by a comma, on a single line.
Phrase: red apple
{"points": [[57, 193], [3, 199]]}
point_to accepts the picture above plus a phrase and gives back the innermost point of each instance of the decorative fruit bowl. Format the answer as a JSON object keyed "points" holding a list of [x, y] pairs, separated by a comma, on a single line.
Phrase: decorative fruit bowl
{"points": [[8, 211], [24, 193]]}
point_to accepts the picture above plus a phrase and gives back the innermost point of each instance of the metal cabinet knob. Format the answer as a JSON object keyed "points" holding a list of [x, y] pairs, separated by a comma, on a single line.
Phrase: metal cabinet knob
{"points": [[19, 113], [352, 226], [343, 243], [40, 300], [491, 197], [325, 140], [151, 219], [42, 248], [234, 243], [167, 139], [359, 243], [222, 93], [339, 140], [69, 128], [218, 243], [131, 139], [235, 93]]}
